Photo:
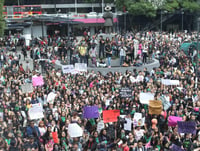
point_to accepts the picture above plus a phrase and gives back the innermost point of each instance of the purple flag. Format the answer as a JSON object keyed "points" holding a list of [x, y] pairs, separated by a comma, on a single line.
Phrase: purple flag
{"points": [[187, 127], [91, 112]]}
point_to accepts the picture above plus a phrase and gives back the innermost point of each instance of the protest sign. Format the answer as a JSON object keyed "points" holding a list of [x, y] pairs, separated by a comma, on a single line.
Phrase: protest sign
{"points": [[155, 107], [27, 88], [172, 120], [146, 97], [125, 92], [37, 81], [100, 126], [187, 127], [68, 68], [55, 137], [90, 112], [81, 67], [169, 82], [166, 104], [51, 96], [138, 120], [75, 130], [110, 115], [36, 111], [128, 124]]}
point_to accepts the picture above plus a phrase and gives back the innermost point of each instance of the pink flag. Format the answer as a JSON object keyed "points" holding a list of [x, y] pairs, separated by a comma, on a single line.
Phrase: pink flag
{"points": [[172, 120], [37, 81]]}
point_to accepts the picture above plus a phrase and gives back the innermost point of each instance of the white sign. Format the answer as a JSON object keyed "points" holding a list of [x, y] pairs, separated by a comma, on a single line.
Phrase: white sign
{"points": [[36, 111], [165, 102], [75, 130], [100, 126], [27, 88], [81, 67], [170, 82], [138, 120], [128, 124], [51, 96], [146, 97], [68, 68]]}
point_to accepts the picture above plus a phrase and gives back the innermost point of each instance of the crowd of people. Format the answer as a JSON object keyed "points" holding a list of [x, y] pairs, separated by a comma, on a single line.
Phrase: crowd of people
{"points": [[75, 91]]}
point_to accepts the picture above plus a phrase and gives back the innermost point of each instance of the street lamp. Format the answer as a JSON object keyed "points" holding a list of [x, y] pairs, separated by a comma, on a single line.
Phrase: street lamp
{"points": [[31, 24], [197, 63], [182, 13]]}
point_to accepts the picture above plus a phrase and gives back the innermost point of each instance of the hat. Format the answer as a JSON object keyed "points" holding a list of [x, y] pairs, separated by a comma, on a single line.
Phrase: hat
{"points": [[108, 8]]}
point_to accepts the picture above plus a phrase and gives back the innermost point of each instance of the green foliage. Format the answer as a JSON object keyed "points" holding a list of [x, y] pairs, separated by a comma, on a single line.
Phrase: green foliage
{"points": [[191, 6], [171, 5], [2, 22]]}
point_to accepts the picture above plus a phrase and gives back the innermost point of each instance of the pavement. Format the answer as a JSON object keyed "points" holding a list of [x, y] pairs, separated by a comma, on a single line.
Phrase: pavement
{"points": [[114, 65]]}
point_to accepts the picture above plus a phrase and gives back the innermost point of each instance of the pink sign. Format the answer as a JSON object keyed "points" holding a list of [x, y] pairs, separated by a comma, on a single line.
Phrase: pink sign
{"points": [[172, 120], [37, 81]]}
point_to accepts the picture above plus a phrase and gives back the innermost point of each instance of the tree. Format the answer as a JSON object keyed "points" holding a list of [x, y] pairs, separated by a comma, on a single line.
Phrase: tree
{"points": [[2, 22], [137, 7]]}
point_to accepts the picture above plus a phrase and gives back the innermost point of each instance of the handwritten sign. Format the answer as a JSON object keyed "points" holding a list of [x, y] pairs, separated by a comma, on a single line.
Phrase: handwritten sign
{"points": [[68, 68], [91, 112], [172, 120], [81, 67], [75, 130], [146, 97], [125, 92], [36, 111]]}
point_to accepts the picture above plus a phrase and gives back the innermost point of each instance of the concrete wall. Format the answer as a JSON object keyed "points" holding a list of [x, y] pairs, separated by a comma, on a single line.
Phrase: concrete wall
{"points": [[36, 30]]}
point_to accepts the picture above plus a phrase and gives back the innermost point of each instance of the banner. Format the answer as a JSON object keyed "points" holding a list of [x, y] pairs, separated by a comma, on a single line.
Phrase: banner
{"points": [[81, 67], [75, 130], [165, 102], [90, 112], [125, 92], [36, 111], [146, 97], [110, 115], [27, 88], [187, 127], [170, 82], [37, 81], [100, 126], [172, 120], [68, 68], [155, 107]]}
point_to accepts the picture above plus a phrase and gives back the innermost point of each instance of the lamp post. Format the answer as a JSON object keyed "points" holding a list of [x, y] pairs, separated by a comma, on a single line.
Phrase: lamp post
{"points": [[31, 25], [197, 62], [161, 21], [182, 13]]}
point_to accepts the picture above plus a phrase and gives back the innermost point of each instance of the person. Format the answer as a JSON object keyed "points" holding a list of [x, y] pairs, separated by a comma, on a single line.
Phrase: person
{"points": [[108, 52], [144, 53], [90, 144], [122, 54], [32, 130], [101, 47], [140, 147], [82, 52]]}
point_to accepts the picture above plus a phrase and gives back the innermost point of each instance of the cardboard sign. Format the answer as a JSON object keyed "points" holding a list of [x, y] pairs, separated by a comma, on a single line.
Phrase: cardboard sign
{"points": [[125, 92], [91, 112], [187, 127], [146, 97], [68, 68], [155, 107], [110, 115], [36, 111], [75, 130], [27, 88], [37, 81], [172, 120], [81, 67]]}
